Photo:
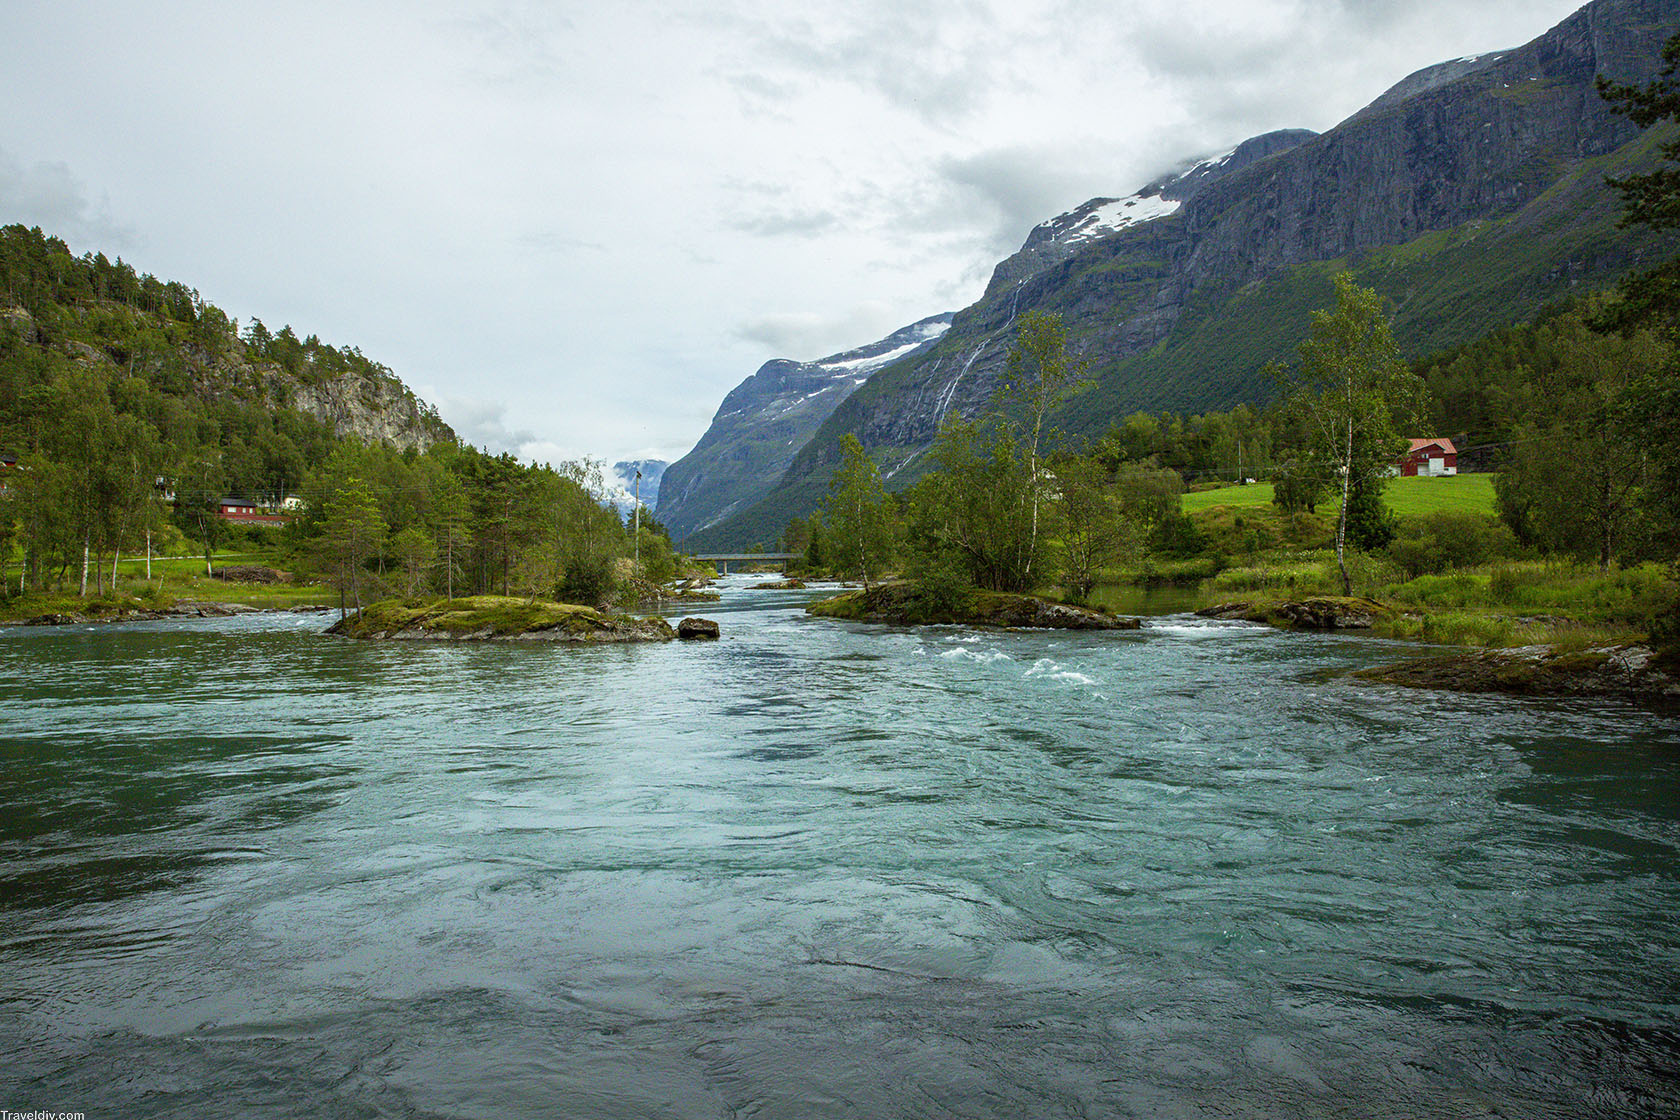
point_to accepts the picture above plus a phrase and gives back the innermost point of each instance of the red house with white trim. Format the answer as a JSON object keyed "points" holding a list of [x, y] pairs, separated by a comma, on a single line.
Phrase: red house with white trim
{"points": [[1430, 458], [243, 511]]}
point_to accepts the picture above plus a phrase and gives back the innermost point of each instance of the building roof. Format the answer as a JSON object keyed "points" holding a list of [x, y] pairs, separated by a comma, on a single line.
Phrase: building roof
{"points": [[1440, 441]]}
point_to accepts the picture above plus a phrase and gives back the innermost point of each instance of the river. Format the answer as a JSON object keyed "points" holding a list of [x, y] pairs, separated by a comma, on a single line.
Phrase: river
{"points": [[821, 870]]}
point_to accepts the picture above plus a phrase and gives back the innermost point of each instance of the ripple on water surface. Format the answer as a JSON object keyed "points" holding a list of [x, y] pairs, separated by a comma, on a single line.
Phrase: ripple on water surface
{"points": [[819, 869]]}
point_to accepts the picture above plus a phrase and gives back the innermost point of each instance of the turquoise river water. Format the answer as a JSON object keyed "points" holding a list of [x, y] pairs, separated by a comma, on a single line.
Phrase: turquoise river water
{"points": [[821, 870]]}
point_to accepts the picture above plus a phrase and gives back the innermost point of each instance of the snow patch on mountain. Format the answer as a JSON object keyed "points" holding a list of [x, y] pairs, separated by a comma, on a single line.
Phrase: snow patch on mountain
{"points": [[859, 364], [1114, 216]]}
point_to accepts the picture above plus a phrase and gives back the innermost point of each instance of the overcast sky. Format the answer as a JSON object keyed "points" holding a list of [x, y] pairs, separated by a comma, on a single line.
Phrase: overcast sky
{"points": [[575, 226]]}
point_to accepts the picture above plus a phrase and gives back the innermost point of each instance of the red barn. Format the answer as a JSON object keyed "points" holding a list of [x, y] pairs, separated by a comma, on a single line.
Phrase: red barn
{"points": [[1430, 458]]}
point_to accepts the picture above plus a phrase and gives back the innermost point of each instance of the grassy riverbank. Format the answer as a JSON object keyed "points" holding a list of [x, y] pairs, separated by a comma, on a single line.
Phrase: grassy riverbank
{"points": [[173, 580], [1254, 552], [1503, 604]]}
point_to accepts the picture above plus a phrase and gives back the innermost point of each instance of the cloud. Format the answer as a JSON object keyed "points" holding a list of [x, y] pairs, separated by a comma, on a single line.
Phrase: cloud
{"points": [[553, 241], [481, 422], [806, 336], [1010, 190], [789, 223], [514, 45], [49, 196], [941, 64]]}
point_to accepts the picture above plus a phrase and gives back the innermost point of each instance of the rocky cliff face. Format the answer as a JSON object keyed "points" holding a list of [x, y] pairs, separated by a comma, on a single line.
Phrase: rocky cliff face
{"points": [[1469, 194], [373, 409], [766, 419]]}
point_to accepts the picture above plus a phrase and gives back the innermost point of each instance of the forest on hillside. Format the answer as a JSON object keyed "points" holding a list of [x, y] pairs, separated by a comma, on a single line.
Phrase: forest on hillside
{"points": [[130, 407]]}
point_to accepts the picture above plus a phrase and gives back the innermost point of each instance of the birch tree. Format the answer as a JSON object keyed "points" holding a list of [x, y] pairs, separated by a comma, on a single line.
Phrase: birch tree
{"points": [[1039, 374], [1357, 398]]}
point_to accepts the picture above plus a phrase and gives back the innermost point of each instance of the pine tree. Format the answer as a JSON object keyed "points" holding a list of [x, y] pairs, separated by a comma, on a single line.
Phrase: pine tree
{"points": [[352, 534]]}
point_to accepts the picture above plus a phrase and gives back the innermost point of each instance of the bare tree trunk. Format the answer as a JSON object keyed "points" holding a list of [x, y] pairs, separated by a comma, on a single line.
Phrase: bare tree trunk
{"points": [[85, 549], [1605, 532], [1341, 518]]}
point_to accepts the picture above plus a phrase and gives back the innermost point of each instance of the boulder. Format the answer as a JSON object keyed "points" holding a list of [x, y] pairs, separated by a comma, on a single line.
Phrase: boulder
{"points": [[701, 629], [252, 573], [1320, 612]]}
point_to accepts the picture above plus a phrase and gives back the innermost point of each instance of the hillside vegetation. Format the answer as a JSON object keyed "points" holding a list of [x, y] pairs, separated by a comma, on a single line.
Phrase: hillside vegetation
{"points": [[130, 408]]}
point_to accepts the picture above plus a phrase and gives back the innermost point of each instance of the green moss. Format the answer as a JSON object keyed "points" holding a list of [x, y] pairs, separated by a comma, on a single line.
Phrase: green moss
{"points": [[497, 615], [910, 604]]}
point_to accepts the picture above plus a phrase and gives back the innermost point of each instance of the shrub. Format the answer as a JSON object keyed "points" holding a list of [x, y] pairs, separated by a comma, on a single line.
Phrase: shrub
{"points": [[588, 581], [1370, 523], [1446, 539]]}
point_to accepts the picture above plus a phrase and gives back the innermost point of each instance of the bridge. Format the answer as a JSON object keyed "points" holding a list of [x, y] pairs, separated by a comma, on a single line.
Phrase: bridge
{"points": [[724, 559]]}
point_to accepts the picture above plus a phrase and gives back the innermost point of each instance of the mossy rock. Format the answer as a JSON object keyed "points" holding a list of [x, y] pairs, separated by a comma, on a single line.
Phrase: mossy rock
{"points": [[497, 617], [910, 604], [1319, 612], [1627, 671]]}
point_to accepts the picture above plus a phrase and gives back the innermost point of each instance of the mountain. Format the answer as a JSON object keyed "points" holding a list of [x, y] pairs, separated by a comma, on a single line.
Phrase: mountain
{"points": [[623, 486], [766, 419], [1469, 195]]}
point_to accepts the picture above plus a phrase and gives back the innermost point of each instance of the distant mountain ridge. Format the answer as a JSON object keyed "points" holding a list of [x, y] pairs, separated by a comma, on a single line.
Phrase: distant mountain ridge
{"points": [[1469, 194], [766, 419], [623, 488]]}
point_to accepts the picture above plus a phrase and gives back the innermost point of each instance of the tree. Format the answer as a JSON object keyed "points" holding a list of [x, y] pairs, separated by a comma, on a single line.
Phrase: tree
{"points": [[588, 536], [450, 513], [1354, 395], [973, 514], [8, 536], [856, 513], [351, 535], [415, 553], [1092, 531], [1039, 375], [47, 518], [1578, 467], [1651, 299], [198, 498]]}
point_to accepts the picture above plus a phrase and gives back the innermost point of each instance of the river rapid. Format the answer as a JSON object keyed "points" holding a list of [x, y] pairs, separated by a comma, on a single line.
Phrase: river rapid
{"points": [[818, 869]]}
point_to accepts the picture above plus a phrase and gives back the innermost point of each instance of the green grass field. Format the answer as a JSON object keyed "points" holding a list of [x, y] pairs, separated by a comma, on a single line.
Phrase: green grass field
{"points": [[1407, 497], [173, 578]]}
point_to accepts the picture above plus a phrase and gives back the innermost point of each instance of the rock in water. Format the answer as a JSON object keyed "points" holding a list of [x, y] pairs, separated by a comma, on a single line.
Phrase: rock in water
{"points": [[702, 629], [907, 603], [1320, 612]]}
